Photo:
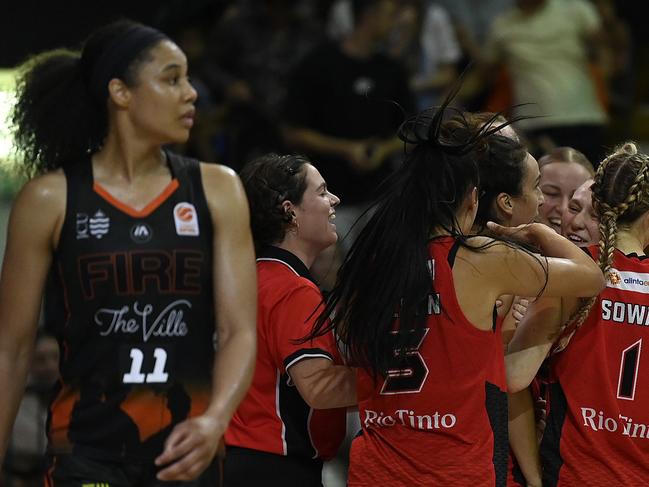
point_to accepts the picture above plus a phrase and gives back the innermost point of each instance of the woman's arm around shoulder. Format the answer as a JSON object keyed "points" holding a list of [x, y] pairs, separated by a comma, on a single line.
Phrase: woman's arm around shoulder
{"points": [[32, 235], [192, 445], [563, 269]]}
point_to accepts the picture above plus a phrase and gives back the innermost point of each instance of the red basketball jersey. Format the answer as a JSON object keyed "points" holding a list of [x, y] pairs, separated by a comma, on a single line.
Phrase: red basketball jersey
{"points": [[442, 420], [273, 417], [597, 431]]}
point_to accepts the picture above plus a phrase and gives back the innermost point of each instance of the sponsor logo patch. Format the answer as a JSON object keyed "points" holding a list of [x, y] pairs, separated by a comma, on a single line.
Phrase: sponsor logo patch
{"points": [[186, 219], [83, 230], [629, 281], [99, 224], [141, 233]]}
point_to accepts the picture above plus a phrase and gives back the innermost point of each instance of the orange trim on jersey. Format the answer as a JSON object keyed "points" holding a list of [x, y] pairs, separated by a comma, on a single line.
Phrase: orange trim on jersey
{"points": [[148, 411], [144, 212], [200, 401], [48, 481], [61, 413]]}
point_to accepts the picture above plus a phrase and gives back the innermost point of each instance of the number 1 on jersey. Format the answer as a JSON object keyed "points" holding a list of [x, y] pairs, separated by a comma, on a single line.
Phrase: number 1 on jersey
{"points": [[629, 371], [135, 375]]}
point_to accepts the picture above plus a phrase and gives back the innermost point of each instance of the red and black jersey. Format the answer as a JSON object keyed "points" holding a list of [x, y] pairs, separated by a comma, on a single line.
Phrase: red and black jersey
{"points": [[273, 417], [441, 420], [137, 331], [597, 430]]}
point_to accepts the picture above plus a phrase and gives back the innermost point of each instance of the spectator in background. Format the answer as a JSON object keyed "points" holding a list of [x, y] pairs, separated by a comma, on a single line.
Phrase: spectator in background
{"points": [[423, 38], [25, 459], [249, 55], [546, 46], [472, 20], [425, 41], [563, 170], [345, 101]]}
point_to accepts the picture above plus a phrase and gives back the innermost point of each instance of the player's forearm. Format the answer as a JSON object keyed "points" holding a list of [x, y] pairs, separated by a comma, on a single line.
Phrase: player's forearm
{"points": [[522, 435], [14, 366], [532, 341], [334, 387], [233, 371]]}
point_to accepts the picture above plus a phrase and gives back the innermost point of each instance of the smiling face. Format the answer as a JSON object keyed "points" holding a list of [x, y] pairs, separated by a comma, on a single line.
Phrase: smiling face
{"points": [[161, 103], [559, 180], [579, 222], [525, 207], [316, 213]]}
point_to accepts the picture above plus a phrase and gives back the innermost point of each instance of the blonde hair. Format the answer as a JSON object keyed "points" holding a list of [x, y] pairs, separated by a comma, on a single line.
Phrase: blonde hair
{"points": [[620, 196], [567, 155]]}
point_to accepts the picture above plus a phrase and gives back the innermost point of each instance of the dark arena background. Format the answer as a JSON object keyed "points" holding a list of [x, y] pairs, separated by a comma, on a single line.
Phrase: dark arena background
{"points": [[243, 56]]}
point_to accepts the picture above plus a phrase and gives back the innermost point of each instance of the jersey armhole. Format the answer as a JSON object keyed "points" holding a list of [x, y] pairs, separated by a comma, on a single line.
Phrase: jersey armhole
{"points": [[304, 354]]}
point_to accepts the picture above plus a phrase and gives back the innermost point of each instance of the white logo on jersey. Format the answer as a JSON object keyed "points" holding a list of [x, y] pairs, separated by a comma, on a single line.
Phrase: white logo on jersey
{"points": [[408, 417], [99, 224], [598, 420], [628, 281], [170, 322], [82, 226], [186, 219], [141, 233]]}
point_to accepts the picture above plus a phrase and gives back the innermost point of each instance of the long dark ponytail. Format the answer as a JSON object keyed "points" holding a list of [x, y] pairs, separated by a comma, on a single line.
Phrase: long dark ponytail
{"points": [[386, 271], [54, 118]]}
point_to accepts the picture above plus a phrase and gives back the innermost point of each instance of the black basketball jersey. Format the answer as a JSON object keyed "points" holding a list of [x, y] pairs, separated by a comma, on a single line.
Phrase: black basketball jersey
{"points": [[137, 331]]}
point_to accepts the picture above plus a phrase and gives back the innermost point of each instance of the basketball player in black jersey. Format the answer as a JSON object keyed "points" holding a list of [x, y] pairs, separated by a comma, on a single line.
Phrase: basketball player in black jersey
{"points": [[153, 260]]}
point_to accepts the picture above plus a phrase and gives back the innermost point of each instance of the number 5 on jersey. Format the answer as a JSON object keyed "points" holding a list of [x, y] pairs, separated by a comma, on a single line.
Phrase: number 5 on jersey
{"points": [[410, 371], [135, 374]]}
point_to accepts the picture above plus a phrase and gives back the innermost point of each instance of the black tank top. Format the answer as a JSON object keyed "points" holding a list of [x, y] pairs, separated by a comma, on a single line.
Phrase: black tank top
{"points": [[137, 329]]}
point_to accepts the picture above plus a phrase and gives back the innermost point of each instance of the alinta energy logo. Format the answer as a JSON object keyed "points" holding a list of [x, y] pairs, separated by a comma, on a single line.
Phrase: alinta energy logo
{"points": [[628, 281]]}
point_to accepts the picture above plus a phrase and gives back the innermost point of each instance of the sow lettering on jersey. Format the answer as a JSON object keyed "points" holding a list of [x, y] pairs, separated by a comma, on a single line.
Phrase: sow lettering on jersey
{"points": [[136, 272], [621, 312]]}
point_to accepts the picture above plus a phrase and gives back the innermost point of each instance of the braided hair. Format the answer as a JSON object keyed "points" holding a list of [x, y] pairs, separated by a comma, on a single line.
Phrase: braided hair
{"points": [[620, 196]]}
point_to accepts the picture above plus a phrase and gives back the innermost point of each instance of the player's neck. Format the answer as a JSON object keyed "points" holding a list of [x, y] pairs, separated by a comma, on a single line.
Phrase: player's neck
{"points": [[629, 242]]}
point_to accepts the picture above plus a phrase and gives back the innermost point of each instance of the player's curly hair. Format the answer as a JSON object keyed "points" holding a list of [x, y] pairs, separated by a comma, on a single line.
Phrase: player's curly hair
{"points": [[269, 181], [60, 115]]}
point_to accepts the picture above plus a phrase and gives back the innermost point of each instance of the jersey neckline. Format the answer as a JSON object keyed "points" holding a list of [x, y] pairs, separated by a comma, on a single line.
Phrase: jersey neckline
{"points": [[151, 206], [129, 210]]}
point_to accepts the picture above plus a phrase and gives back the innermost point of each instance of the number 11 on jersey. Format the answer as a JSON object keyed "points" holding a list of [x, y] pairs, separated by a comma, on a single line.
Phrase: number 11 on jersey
{"points": [[136, 376]]}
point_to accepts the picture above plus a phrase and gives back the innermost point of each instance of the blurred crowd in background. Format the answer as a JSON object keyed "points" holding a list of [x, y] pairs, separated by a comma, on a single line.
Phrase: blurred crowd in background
{"points": [[334, 79]]}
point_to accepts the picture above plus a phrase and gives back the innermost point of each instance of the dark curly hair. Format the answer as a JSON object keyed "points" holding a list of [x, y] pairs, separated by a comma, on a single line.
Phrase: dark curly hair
{"points": [[270, 180], [60, 115]]}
